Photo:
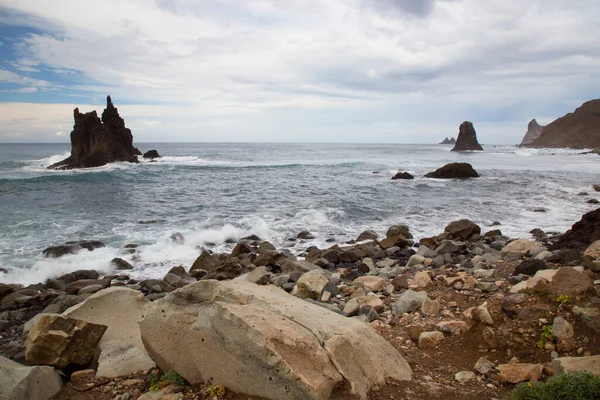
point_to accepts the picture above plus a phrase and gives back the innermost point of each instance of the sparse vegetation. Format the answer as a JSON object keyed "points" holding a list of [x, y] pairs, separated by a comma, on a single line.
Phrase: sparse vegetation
{"points": [[171, 377], [215, 391], [563, 299], [572, 386], [545, 337]]}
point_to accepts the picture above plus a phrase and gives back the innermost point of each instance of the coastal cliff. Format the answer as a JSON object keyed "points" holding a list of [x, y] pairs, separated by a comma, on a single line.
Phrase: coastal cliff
{"points": [[578, 130], [534, 131]]}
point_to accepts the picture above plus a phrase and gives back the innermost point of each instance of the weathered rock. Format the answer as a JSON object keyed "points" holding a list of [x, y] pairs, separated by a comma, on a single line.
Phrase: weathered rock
{"points": [[589, 316], [260, 341], [225, 270], [367, 235], [467, 138], [121, 310], [421, 279], [464, 376], [75, 287], [563, 331], [18, 382], [462, 229], [515, 373], [530, 267], [72, 248], [402, 175], [520, 248], [430, 307], [484, 366], [59, 341], [373, 283], [450, 246], [399, 229], [310, 284], [354, 304], [454, 171], [95, 143], [151, 154], [259, 275], [591, 256], [408, 302], [512, 304], [121, 264], [205, 261], [564, 365], [430, 340], [582, 234], [299, 265], [394, 241], [534, 131], [569, 282]]}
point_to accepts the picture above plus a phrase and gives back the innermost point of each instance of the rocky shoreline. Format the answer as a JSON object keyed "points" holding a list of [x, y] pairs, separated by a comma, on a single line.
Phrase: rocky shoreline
{"points": [[464, 314]]}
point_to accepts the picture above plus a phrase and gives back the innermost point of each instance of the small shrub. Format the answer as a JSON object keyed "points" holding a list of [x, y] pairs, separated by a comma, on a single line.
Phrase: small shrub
{"points": [[171, 377], [571, 386], [216, 391], [545, 337], [563, 299]]}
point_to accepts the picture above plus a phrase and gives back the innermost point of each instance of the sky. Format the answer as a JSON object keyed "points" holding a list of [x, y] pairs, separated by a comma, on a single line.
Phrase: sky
{"points": [[376, 71]]}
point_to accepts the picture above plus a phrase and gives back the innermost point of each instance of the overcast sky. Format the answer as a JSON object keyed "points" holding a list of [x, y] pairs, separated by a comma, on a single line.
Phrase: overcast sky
{"points": [[391, 71]]}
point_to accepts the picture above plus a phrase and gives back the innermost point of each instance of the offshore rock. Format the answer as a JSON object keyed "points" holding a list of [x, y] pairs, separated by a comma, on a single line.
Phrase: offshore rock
{"points": [[577, 130], [448, 141], [261, 341], [402, 175], [96, 142], [467, 138], [151, 154], [454, 171], [534, 131], [72, 248]]}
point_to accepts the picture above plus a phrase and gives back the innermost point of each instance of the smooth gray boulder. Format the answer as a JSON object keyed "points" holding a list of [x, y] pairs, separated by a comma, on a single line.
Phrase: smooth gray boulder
{"points": [[408, 302], [565, 365], [19, 382], [261, 341]]}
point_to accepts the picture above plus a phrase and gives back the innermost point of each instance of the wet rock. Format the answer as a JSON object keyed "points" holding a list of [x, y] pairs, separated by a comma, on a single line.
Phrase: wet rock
{"points": [[121, 264], [305, 235], [75, 287], [5, 290], [62, 303], [396, 230], [241, 248], [59, 341], [454, 171], [462, 229], [151, 154], [18, 382], [72, 248], [402, 175], [177, 238], [265, 246], [467, 138], [95, 143], [408, 302], [223, 271], [205, 261], [367, 235]]}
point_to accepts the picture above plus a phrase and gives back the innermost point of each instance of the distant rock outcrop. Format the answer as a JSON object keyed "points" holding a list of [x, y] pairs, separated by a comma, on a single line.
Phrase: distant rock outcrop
{"points": [[534, 131], [151, 154], [402, 175], [454, 171], [448, 141], [96, 142], [580, 129], [467, 138]]}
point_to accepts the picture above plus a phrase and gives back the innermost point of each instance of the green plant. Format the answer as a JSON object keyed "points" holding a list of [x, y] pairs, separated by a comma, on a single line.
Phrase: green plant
{"points": [[154, 380], [216, 391], [545, 337], [563, 299], [171, 377], [572, 386]]}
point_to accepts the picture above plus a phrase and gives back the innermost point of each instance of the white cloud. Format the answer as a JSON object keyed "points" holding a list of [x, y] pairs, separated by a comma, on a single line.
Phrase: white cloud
{"points": [[397, 71]]}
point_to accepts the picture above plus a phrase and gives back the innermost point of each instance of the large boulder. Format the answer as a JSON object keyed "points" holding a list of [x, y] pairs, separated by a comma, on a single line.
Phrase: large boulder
{"points": [[18, 382], [454, 171], [534, 131], [96, 142], [591, 256], [462, 229], [58, 341], [151, 154], [569, 282], [72, 248], [467, 138], [582, 234], [564, 365], [520, 248], [261, 341], [121, 349]]}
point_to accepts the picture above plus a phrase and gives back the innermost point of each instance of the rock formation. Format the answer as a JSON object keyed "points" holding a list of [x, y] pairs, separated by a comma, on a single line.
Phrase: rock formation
{"points": [[534, 131], [467, 138], [151, 154], [580, 129], [582, 233], [448, 141], [402, 175], [454, 171], [96, 142]]}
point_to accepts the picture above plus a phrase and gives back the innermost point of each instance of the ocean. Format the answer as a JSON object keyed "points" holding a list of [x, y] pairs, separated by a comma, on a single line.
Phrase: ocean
{"points": [[215, 193]]}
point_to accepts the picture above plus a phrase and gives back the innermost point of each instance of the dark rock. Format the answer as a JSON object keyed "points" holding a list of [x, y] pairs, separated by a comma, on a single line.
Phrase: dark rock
{"points": [[56, 285], [534, 131], [265, 246], [241, 248], [566, 256], [402, 175], [467, 138], [582, 233], [226, 270], [151, 154], [462, 229], [206, 261], [62, 303], [75, 287], [5, 290], [593, 201], [394, 241], [72, 248], [95, 143], [400, 282], [121, 264], [179, 271], [448, 141], [400, 229], [367, 235], [177, 238], [454, 171], [78, 275], [305, 235], [530, 267], [539, 234]]}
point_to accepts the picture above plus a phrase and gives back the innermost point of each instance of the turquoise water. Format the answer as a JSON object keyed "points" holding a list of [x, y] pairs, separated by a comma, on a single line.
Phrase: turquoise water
{"points": [[214, 192]]}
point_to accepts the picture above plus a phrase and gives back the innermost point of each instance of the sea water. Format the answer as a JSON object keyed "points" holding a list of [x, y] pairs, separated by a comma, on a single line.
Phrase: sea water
{"points": [[215, 193]]}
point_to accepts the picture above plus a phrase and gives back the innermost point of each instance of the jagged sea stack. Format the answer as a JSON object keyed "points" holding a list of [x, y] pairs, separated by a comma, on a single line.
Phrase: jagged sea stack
{"points": [[467, 138], [96, 142], [534, 131]]}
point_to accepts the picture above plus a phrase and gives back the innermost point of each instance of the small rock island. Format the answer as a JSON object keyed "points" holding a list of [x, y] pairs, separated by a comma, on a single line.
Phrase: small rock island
{"points": [[467, 138]]}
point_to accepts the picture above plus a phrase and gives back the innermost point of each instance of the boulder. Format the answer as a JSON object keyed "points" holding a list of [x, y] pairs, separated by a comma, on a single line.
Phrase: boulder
{"points": [[582, 234], [402, 175], [18, 382], [59, 341], [462, 229], [260, 341], [310, 284], [205, 261], [259, 275], [95, 143], [299, 265], [530, 267], [569, 282], [430, 340], [408, 302], [564, 365], [590, 316], [151, 154], [591, 256], [400, 229], [367, 235], [71, 248], [353, 306], [467, 138], [121, 310], [454, 171], [515, 373], [394, 241], [534, 131], [120, 264], [520, 248]]}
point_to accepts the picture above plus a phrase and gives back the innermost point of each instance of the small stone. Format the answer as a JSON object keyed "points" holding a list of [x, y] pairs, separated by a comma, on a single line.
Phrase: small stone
{"points": [[464, 376], [484, 366], [421, 280], [429, 340], [430, 307]]}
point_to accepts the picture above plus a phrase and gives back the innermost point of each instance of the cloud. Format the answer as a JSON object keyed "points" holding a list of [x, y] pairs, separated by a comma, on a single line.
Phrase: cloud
{"points": [[352, 70]]}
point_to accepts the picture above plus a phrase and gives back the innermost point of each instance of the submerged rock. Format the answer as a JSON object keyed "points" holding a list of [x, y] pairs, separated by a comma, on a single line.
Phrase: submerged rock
{"points": [[72, 248], [96, 142], [454, 171], [467, 138]]}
